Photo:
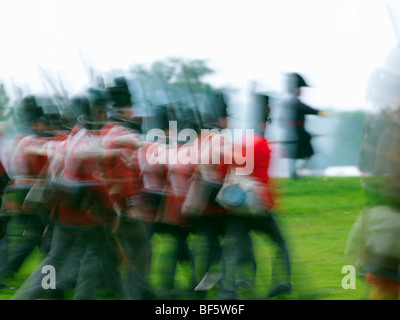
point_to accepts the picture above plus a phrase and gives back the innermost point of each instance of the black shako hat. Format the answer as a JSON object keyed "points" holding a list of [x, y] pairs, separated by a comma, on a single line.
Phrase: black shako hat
{"points": [[80, 104], [119, 95], [295, 81], [30, 109], [95, 100], [97, 97]]}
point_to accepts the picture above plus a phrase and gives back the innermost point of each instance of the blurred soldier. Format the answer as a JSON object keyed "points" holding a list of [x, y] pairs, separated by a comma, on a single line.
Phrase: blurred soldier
{"points": [[298, 139], [153, 175], [121, 174], [205, 215], [373, 243], [84, 211], [237, 240], [4, 180], [153, 182], [25, 169], [170, 220]]}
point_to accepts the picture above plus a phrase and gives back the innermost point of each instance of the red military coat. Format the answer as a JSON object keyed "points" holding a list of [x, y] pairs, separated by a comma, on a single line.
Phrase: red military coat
{"points": [[153, 182], [120, 167], [178, 182], [24, 169], [82, 164], [255, 149]]}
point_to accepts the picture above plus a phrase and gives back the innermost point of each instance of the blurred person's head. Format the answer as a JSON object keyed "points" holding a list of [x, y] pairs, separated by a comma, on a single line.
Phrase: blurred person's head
{"points": [[121, 99], [383, 86], [122, 105], [294, 83], [94, 109], [78, 107], [32, 115], [380, 150], [53, 121], [264, 111], [218, 110]]}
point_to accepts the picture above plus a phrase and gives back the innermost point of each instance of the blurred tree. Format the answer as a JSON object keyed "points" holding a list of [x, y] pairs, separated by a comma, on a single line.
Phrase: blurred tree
{"points": [[174, 73], [5, 110], [174, 81], [4, 99]]}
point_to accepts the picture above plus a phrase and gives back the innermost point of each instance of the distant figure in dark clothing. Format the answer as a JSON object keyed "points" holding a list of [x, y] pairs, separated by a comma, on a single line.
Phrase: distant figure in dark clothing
{"points": [[297, 139]]}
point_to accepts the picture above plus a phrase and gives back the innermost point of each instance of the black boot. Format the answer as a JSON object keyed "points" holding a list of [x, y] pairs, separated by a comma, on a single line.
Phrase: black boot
{"points": [[279, 289]]}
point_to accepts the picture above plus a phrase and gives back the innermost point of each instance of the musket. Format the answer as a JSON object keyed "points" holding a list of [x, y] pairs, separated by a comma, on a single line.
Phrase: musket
{"points": [[28, 90], [17, 90], [63, 91], [394, 24], [89, 70], [57, 93]]}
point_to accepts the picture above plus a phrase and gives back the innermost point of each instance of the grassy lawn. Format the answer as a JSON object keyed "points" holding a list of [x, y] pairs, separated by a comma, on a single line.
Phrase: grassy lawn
{"points": [[316, 215]]}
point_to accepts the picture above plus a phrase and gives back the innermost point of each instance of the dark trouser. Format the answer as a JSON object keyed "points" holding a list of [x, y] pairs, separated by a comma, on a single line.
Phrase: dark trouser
{"points": [[96, 262], [63, 241], [237, 244], [70, 269], [134, 239], [33, 227], [207, 247], [99, 266], [4, 251]]}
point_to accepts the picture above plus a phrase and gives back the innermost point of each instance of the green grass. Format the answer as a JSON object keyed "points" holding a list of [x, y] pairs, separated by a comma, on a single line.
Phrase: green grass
{"points": [[315, 215]]}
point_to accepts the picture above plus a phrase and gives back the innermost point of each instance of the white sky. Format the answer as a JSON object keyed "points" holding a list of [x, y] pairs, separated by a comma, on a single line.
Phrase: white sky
{"points": [[335, 44]]}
